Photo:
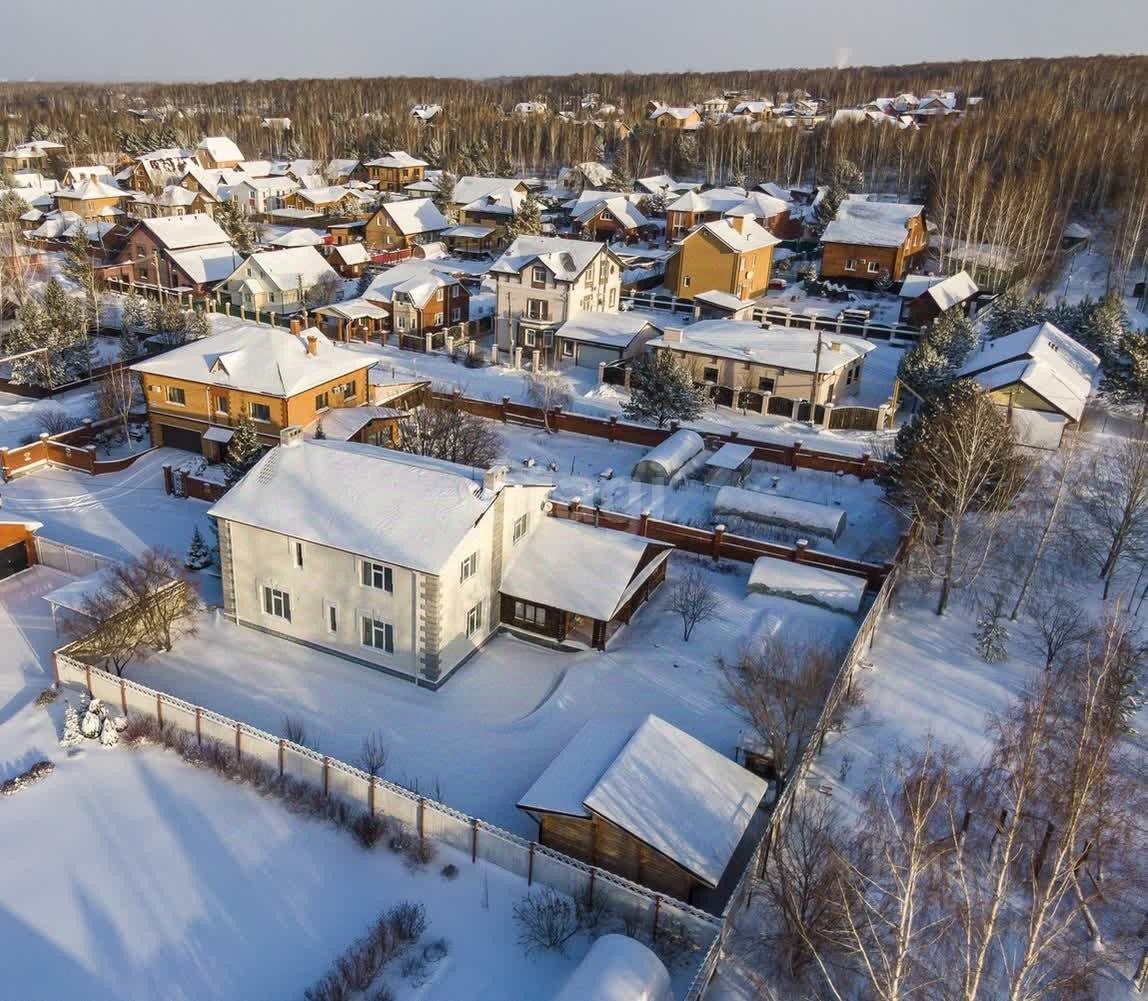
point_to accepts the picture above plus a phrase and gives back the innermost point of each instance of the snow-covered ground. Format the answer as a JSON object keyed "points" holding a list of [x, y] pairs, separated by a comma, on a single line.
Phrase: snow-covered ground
{"points": [[19, 415], [884, 308], [582, 462], [1087, 272], [482, 740], [132, 875]]}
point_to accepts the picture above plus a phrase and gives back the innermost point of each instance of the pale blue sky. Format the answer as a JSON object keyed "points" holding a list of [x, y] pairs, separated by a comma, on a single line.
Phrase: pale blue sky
{"points": [[230, 39]]}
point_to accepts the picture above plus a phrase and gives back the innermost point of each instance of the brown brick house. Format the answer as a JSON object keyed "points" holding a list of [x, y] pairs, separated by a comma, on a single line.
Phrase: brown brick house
{"points": [[406, 223], [92, 199], [198, 392], [186, 252], [869, 240], [395, 170], [419, 298]]}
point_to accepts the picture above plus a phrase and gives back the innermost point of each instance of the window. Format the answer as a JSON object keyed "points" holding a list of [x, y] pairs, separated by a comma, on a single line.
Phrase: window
{"points": [[469, 567], [455, 315], [380, 635], [177, 396], [438, 296], [534, 614], [538, 277], [260, 412], [567, 349], [331, 616], [587, 302], [277, 603], [874, 267], [520, 527], [602, 270], [613, 297], [402, 323], [589, 278], [474, 620], [851, 264], [348, 389], [221, 404], [686, 281], [438, 319], [321, 401], [528, 337], [765, 385], [709, 374], [297, 553], [537, 309], [456, 291], [378, 576]]}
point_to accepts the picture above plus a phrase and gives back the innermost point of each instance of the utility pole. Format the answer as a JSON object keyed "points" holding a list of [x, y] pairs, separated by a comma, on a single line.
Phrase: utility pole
{"points": [[816, 379]]}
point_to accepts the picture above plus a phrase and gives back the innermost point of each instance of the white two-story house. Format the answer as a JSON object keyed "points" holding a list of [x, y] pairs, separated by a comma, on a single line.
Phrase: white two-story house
{"points": [[280, 281], [543, 281], [408, 565]]}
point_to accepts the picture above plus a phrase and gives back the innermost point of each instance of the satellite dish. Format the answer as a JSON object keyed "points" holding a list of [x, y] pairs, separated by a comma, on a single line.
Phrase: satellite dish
{"points": [[547, 507]]}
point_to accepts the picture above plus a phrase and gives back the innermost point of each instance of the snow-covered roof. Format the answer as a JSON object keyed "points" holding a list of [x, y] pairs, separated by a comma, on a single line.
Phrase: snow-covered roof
{"points": [[339, 168], [622, 208], [566, 782], [714, 200], [180, 232], [681, 113], [220, 148], [578, 568], [1054, 382], [469, 232], [752, 236], [615, 329], [406, 510], [837, 591], [275, 185], [671, 454], [415, 215], [566, 259], [208, 265], [91, 189], [257, 359], [618, 968], [723, 300], [329, 195], [470, 188], [342, 423], [787, 512], [352, 253], [298, 236], [757, 107], [418, 279], [1075, 231], [289, 267], [778, 347], [397, 158], [730, 456], [665, 788], [861, 222], [946, 292], [353, 309]]}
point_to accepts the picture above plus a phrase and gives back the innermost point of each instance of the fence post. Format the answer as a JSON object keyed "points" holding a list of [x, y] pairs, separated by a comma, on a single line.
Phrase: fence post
{"points": [[238, 745], [799, 550], [473, 839], [326, 774], [530, 866], [505, 404], [612, 431], [657, 910], [793, 455], [866, 466], [556, 419], [123, 697], [158, 707], [644, 523], [199, 726], [718, 535], [88, 677], [371, 796], [590, 888], [422, 808], [168, 486], [282, 754]]}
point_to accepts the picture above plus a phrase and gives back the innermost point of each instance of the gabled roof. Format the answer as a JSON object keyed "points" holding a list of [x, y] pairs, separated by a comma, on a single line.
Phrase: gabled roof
{"points": [[280, 184], [208, 265], [397, 158], [220, 148], [664, 787], [946, 292], [406, 510], [289, 267], [257, 359], [91, 189], [352, 253], [566, 259], [469, 188], [714, 200], [780, 347], [298, 236], [415, 215], [679, 113], [623, 209], [416, 279], [614, 329], [596, 174], [753, 235], [181, 232], [865, 223], [330, 195]]}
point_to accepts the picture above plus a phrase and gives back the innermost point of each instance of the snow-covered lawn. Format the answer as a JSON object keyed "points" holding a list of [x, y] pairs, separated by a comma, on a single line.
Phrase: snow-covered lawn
{"points": [[481, 741], [19, 415], [582, 462], [885, 308], [130, 874], [115, 514]]}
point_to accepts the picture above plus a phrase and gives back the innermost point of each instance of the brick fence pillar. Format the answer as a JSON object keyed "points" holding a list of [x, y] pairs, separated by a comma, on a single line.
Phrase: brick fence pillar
{"points": [[556, 419], [168, 486], [718, 535], [505, 404], [793, 454], [866, 466], [799, 550], [613, 429], [644, 524]]}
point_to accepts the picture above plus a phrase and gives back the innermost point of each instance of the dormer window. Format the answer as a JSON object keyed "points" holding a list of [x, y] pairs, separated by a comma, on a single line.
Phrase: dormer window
{"points": [[538, 277]]}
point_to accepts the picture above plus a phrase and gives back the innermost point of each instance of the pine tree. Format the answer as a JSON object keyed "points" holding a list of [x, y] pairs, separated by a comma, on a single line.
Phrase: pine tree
{"points": [[198, 554], [1012, 310], [662, 389], [844, 179], [243, 451], [72, 735], [686, 154], [1104, 328], [991, 633], [527, 221], [235, 223], [621, 177]]}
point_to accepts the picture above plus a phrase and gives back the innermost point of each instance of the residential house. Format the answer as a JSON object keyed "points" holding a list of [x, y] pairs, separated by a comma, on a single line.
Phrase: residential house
{"points": [[739, 359], [262, 195], [606, 215], [32, 155], [695, 207], [280, 281], [427, 114], [868, 241], [666, 117], [218, 152], [471, 241], [405, 223], [1040, 376], [212, 184], [574, 180], [395, 170], [528, 109], [277, 378], [733, 255], [648, 802], [92, 199], [757, 110], [663, 184], [541, 282], [391, 560], [926, 297], [187, 252], [17, 544], [156, 170], [714, 106], [593, 339], [344, 171], [349, 259], [421, 298], [96, 172], [334, 200], [488, 201], [174, 200]]}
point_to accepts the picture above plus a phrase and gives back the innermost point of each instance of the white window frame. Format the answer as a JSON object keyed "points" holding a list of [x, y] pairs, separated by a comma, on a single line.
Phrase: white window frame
{"points": [[181, 391], [331, 617], [686, 279], [378, 628], [370, 571], [468, 568], [270, 596], [850, 263], [521, 528], [567, 349], [536, 615], [874, 267], [260, 420], [474, 619]]}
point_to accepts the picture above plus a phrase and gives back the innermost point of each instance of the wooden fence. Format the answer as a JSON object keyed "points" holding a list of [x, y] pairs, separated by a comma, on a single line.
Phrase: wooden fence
{"points": [[71, 449], [796, 456], [426, 818]]}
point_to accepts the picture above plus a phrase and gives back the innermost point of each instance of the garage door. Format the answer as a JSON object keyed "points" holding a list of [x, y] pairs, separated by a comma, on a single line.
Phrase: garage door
{"points": [[173, 437], [13, 559]]}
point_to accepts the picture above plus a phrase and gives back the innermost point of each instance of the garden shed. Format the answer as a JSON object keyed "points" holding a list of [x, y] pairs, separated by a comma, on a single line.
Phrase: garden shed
{"points": [[662, 462], [729, 465], [783, 512]]}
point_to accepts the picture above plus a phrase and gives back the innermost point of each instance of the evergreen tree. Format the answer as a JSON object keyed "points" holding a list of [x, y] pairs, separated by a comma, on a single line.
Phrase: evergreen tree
{"points": [[243, 451], [56, 322], [72, 736], [198, 554], [686, 154], [844, 179], [991, 633], [621, 177], [233, 220], [527, 221], [1012, 310], [432, 149], [320, 434], [1104, 328], [444, 194], [654, 205], [662, 389]]}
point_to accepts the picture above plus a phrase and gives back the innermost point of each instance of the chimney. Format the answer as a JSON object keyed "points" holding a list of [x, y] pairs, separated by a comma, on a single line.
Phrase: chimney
{"points": [[494, 479], [296, 326], [290, 436], [312, 344], [737, 222], [673, 335], [835, 345]]}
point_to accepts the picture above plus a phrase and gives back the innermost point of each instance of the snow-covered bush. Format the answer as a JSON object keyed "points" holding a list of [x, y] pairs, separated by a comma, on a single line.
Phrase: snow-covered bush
{"points": [[109, 735], [546, 920], [369, 829], [72, 735], [39, 770], [407, 921], [47, 697]]}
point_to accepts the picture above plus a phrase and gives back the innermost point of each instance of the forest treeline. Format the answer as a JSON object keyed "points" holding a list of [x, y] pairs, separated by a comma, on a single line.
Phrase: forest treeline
{"points": [[1053, 139]]}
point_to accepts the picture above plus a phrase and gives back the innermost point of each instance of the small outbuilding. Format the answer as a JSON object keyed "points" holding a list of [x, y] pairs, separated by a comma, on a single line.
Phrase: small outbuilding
{"points": [[801, 516], [662, 462], [729, 465], [648, 802], [618, 968], [838, 592], [17, 544]]}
